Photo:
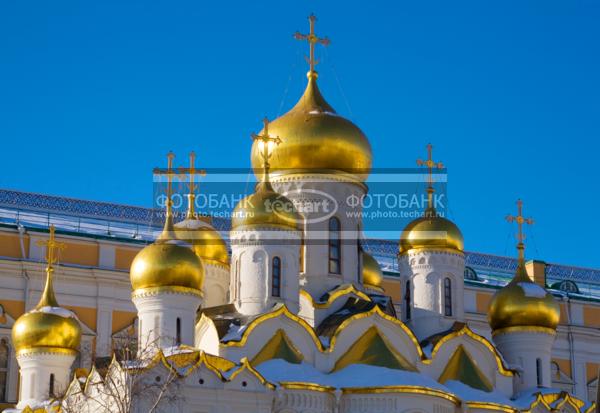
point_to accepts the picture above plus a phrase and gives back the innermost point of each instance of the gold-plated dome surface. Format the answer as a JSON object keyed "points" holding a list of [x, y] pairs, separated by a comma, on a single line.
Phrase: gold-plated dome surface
{"points": [[265, 207], [431, 231], [371, 273], [314, 138], [523, 303], [205, 240], [48, 327], [166, 263]]}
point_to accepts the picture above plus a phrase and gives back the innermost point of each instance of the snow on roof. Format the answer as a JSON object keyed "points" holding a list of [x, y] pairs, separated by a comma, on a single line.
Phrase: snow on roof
{"points": [[356, 375]]}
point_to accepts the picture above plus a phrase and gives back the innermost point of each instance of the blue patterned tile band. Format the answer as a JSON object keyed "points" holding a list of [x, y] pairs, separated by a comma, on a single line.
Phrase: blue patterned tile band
{"points": [[107, 219]]}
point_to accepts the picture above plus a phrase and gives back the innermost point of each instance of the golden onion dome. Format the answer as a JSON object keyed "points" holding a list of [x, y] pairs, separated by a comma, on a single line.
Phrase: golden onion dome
{"points": [[205, 240], [431, 231], [371, 273], [265, 207], [167, 264], [315, 139], [48, 327], [523, 303]]}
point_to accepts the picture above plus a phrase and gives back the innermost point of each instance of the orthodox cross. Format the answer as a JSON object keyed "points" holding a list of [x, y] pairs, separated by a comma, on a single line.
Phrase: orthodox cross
{"points": [[170, 157], [312, 40], [265, 138], [520, 220], [191, 174], [430, 164], [52, 248]]}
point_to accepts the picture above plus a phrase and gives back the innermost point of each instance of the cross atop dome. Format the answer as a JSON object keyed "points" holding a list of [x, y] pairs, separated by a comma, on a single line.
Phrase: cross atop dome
{"points": [[48, 299], [520, 220], [312, 40], [265, 138], [191, 173], [52, 247], [430, 164], [168, 230]]}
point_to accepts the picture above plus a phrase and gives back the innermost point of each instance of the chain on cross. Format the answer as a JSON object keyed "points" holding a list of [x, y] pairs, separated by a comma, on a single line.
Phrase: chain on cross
{"points": [[520, 220], [266, 138], [312, 40], [53, 247]]}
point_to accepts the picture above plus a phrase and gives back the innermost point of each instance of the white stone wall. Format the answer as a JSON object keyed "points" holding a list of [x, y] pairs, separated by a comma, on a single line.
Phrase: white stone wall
{"points": [[158, 314], [216, 284], [252, 253], [426, 271], [36, 370], [331, 192], [522, 349]]}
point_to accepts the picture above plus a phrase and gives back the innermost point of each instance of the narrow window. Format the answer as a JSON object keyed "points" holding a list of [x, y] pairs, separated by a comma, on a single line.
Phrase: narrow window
{"points": [[3, 369], [178, 336], [407, 303], [447, 297], [538, 367], [334, 246], [51, 389], [302, 246], [276, 277]]}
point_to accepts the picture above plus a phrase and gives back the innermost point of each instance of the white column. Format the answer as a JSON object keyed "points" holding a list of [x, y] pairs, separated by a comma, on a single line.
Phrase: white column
{"points": [[252, 252], [427, 271], [530, 351], [158, 314], [36, 372]]}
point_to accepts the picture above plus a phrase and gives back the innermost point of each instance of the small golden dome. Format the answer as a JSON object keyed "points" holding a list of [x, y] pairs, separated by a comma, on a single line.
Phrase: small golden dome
{"points": [[206, 241], [265, 207], [314, 138], [523, 303], [431, 231], [167, 263], [371, 272], [47, 327]]}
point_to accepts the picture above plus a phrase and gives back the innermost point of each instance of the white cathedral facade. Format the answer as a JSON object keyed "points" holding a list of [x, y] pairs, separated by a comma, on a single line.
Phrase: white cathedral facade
{"points": [[294, 319]]}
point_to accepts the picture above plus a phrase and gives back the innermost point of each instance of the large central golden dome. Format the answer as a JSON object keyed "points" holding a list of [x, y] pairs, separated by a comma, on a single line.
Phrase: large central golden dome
{"points": [[315, 139]]}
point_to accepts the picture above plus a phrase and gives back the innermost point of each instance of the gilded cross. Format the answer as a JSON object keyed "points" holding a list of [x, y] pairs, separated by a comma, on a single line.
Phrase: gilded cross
{"points": [[312, 40], [170, 157], [430, 164], [265, 138], [52, 247], [191, 174], [520, 220]]}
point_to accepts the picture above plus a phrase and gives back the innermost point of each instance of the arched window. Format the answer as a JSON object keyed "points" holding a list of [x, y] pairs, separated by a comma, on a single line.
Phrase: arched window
{"points": [[407, 304], [334, 246], [3, 369], [51, 386], [178, 333], [471, 274], [538, 367], [276, 278], [447, 297]]}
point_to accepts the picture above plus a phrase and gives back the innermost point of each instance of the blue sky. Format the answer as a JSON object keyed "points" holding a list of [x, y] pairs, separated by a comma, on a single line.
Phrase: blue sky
{"points": [[93, 94]]}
